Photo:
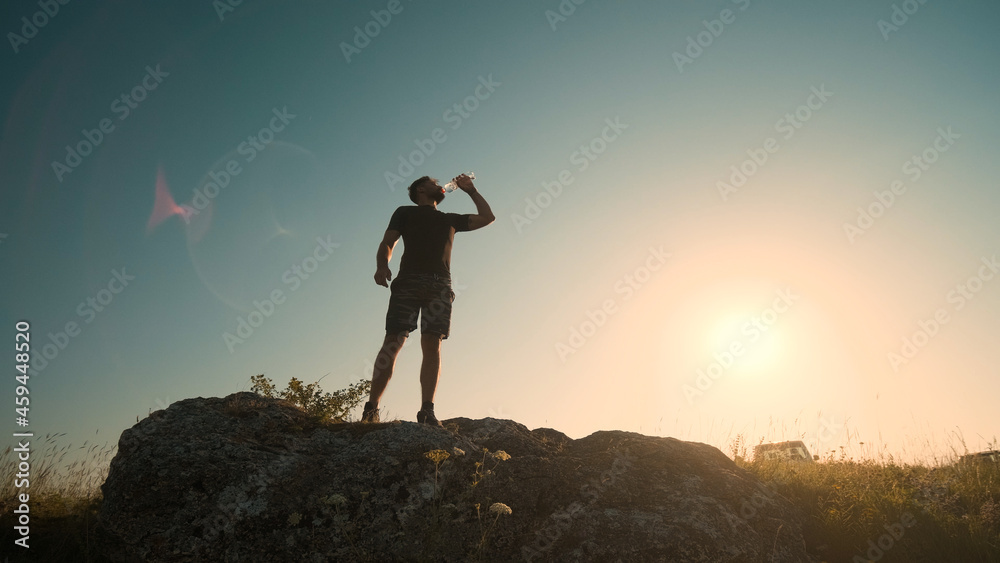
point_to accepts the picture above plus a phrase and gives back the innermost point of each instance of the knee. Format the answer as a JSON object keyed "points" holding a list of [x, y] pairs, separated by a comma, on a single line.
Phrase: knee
{"points": [[390, 348], [430, 342], [393, 342]]}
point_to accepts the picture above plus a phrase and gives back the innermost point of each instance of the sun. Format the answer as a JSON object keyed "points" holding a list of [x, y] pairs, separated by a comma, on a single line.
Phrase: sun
{"points": [[744, 344]]}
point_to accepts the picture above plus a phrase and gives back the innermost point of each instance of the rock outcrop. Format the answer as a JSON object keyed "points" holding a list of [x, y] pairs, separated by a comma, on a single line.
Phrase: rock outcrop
{"points": [[244, 478]]}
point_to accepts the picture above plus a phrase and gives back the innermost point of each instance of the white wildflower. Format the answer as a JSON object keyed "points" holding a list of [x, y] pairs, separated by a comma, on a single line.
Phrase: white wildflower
{"points": [[500, 508]]}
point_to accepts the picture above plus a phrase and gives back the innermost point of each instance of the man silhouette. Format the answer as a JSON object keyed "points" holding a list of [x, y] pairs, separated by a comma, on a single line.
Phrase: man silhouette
{"points": [[423, 285]]}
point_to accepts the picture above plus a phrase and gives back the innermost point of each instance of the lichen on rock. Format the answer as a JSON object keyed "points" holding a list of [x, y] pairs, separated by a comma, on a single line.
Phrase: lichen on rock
{"points": [[246, 478]]}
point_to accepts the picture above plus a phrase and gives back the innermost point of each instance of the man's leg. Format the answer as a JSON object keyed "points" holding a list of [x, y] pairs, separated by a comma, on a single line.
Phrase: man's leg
{"points": [[430, 367], [384, 362]]}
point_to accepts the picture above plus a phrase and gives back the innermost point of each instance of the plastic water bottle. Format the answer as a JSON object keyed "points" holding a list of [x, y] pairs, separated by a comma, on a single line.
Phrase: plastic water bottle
{"points": [[452, 186]]}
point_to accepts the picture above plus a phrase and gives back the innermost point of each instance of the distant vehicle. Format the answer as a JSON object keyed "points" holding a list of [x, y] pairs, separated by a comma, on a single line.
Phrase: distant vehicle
{"points": [[793, 450], [990, 455]]}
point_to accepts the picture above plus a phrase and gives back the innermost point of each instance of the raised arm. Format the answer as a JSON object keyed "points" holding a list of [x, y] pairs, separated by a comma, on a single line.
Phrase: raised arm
{"points": [[382, 272], [484, 215]]}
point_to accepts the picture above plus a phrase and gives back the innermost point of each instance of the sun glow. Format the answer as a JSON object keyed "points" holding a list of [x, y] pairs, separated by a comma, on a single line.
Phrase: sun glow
{"points": [[744, 344]]}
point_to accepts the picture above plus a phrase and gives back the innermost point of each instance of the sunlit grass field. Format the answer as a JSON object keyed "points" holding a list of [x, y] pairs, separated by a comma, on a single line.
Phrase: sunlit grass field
{"points": [[877, 509]]}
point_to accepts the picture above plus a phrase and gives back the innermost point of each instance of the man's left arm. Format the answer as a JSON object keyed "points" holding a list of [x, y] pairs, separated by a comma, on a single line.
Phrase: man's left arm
{"points": [[484, 215]]}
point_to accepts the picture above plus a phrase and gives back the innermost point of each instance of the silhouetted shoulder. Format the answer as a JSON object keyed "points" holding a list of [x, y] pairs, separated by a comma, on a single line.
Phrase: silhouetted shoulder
{"points": [[459, 221], [398, 220]]}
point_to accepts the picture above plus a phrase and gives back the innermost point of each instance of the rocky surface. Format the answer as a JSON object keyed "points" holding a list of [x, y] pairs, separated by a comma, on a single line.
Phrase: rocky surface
{"points": [[244, 478]]}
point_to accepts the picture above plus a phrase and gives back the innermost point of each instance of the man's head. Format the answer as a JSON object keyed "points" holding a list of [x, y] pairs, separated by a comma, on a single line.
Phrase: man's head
{"points": [[428, 188]]}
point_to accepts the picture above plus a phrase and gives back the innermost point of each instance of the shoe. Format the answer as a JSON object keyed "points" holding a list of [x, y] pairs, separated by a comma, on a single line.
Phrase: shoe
{"points": [[427, 417], [370, 413]]}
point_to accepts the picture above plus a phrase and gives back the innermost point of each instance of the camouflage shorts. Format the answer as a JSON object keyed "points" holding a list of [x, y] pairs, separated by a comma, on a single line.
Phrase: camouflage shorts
{"points": [[428, 296]]}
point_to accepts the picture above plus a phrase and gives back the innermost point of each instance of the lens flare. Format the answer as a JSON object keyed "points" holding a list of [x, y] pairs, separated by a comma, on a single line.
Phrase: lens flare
{"points": [[164, 205], [258, 221]]}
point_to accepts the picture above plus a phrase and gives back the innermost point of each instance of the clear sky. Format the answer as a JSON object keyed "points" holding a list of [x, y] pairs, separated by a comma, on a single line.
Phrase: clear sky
{"points": [[776, 219]]}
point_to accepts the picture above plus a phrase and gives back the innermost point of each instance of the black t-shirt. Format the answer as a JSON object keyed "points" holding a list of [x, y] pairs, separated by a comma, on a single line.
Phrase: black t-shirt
{"points": [[427, 238]]}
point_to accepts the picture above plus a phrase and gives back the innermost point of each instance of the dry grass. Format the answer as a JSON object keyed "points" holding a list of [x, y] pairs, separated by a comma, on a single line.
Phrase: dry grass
{"points": [[850, 503], [64, 500]]}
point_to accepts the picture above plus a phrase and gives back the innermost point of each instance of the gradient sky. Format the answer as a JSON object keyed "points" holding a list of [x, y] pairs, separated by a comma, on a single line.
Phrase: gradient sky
{"points": [[642, 227]]}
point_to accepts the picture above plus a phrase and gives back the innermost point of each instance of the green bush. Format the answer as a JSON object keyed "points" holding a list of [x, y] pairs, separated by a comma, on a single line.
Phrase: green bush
{"points": [[332, 407]]}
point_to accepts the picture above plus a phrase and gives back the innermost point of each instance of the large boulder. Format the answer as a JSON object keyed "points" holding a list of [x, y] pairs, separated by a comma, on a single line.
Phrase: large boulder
{"points": [[244, 478]]}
